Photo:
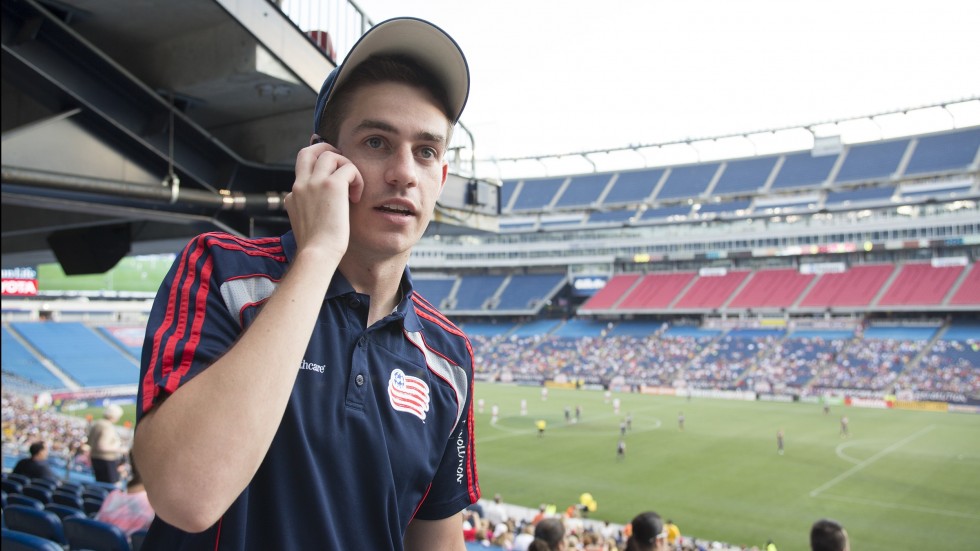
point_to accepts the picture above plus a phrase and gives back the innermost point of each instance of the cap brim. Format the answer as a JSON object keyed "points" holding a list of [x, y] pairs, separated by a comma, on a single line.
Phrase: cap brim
{"points": [[417, 39]]}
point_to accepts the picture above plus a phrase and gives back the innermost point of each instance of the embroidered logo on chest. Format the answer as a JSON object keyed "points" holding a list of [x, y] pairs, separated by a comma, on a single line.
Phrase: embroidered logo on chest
{"points": [[408, 394]]}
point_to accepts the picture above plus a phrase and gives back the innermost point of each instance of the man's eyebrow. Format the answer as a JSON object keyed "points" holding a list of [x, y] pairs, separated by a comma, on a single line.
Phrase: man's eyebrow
{"points": [[371, 124]]}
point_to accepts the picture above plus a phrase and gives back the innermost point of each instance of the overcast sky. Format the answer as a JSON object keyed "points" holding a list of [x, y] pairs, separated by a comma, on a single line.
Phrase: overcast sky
{"points": [[560, 76]]}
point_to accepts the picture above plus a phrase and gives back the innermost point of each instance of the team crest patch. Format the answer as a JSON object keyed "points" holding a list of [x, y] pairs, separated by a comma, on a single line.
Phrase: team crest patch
{"points": [[408, 394]]}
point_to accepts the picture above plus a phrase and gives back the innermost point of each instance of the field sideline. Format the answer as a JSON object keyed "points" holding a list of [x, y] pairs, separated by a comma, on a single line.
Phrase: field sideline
{"points": [[902, 480]]}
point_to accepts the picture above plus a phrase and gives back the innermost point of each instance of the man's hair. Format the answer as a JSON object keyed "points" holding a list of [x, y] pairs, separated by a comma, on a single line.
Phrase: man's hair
{"points": [[548, 534], [36, 448], [827, 535], [376, 70]]}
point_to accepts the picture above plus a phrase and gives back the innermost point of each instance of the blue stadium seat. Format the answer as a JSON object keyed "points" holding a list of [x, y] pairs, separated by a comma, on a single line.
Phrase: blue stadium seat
{"points": [[583, 191], [803, 170], [744, 176], [38, 522], [45, 482], [21, 499], [67, 498], [91, 506], [18, 478], [537, 194], [944, 152], [687, 181], [633, 187], [64, 511], [873, 161], [14, 540], [39, 493], [12, 486], [95, 535]]}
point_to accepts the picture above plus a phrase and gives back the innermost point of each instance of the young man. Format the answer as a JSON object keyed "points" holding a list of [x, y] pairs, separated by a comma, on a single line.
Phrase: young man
{"points": [[296, 393]]}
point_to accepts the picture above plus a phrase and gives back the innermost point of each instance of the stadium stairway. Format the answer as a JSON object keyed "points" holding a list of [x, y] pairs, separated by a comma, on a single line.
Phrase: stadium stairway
{"points": [[955, 287]]}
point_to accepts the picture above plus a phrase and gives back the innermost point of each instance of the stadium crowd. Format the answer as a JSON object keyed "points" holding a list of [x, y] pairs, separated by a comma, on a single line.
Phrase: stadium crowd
{"points": [[762, 364]]}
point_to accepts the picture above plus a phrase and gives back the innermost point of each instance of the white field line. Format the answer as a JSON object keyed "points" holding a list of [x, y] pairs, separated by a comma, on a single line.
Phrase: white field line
{"points": [[869, 461], [840, 451]]}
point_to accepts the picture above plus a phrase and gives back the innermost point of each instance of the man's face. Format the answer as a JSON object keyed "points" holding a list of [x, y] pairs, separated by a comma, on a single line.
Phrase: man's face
{"points": [[396, 136]]}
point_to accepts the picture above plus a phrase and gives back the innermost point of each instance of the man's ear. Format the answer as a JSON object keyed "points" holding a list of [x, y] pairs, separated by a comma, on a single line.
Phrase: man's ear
{"points": [[315, 139]]}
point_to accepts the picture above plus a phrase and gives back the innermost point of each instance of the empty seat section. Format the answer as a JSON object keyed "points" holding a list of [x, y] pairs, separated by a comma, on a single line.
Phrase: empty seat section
{"points": [[711, 291], [969, 291], [128, 338], [855, 287], [634, 328], [687, 181], [772, 289], [920, 284], [528, 291], [611, 217], [537, 194], [604, 298], [536, 328], [744, 176], [665, 213], [633, 187], [656, 291], [80, 353], [583, 191], [879, 194], [873, 161], [576, 328], [804, 170], [475, 290], [17, 359], [559, 221], [436, 291], [727, 207], [939, 191], [944, 152]]}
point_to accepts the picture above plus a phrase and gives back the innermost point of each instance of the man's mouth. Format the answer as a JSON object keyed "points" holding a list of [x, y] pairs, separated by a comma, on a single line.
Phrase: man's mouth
{"points": [[396, 209]]}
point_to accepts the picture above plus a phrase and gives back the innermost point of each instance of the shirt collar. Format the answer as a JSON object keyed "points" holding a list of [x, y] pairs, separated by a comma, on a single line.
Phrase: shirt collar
{"points": [[340, 286]]}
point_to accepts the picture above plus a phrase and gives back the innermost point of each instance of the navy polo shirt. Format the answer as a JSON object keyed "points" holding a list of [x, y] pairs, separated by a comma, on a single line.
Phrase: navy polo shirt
{"points": [[378, 429]]}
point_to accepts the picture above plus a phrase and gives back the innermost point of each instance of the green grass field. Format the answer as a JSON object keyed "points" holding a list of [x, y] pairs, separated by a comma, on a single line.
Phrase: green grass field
{"points": [[136, 273], [902, 480]]}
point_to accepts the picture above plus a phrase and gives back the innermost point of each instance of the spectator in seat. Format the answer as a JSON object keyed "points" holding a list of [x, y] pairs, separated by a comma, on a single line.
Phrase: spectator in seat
{"points": [[36, 466], [295, 392], [128, 509]]}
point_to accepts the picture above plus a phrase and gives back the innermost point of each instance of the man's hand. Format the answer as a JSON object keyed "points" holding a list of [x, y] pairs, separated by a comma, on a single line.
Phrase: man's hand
{"points": [[319, 203]]}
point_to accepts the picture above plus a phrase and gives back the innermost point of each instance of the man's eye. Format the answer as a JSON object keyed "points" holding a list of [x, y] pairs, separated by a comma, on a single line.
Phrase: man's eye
{"points": [[374, 143], [429, 153]]}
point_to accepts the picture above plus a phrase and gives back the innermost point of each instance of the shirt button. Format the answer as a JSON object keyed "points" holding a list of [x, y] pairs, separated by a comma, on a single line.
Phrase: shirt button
{"points": [[359, 380], [362, 342], [354, 302]]}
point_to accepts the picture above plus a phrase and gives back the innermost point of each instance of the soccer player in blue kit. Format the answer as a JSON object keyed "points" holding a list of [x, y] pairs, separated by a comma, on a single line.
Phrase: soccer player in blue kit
{"points": [[295, 391]]}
